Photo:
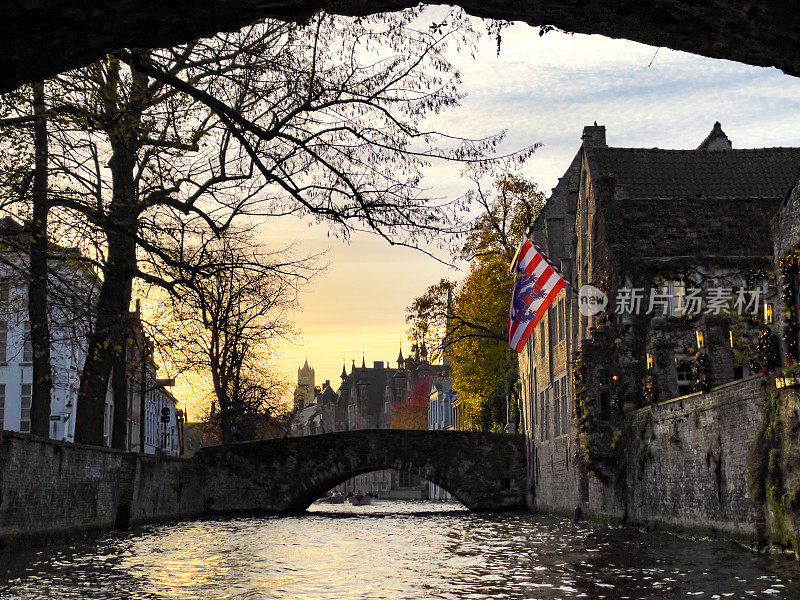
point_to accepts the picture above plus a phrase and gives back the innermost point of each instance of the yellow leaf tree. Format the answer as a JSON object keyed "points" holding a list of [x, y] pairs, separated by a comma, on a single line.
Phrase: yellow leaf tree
{"points": [[472, 329]]}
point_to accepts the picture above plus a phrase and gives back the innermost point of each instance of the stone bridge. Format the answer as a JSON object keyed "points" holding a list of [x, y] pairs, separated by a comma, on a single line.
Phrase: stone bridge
{"points": [[483, 471]]}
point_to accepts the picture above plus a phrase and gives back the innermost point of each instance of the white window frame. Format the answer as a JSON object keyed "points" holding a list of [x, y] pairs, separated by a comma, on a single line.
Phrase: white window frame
{"points": [[25, 397], [27, 343]]}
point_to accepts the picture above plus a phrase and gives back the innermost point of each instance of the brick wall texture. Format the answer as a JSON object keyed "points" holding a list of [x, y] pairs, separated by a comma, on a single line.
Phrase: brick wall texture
{"points": [[690, 474], [50, 489]]}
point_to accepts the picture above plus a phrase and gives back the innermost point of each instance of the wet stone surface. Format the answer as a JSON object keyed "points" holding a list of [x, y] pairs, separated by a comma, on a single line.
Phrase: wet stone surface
{"points": [[397, 550]]}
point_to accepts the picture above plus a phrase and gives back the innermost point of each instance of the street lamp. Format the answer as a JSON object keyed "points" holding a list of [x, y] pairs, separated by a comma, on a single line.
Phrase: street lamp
{"points": [[159, 384]]}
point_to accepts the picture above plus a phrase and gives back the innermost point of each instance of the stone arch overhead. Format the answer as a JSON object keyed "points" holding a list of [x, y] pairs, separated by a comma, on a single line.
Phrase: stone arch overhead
{"points": [[483, 471], [45, 37]]}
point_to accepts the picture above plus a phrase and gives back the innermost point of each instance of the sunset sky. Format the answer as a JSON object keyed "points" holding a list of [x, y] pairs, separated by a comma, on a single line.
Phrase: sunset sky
{"points": [[541, 89]]}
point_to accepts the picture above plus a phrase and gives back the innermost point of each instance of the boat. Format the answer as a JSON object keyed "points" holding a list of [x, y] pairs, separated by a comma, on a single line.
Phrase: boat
{"points": [[333, 499], [359, 500]]}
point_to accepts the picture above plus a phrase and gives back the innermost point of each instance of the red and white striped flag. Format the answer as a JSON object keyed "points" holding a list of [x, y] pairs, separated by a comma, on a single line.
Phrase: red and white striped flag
{"points": [[537, 283]]}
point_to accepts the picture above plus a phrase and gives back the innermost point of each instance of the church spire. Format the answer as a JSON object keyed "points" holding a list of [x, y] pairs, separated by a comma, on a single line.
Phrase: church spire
{"points": [[344, 372], [400, 360], [363, 362]]}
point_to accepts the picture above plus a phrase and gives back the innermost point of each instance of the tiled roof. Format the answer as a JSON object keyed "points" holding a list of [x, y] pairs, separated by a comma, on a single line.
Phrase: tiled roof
{"points": [[653, 173], [670, 203]]}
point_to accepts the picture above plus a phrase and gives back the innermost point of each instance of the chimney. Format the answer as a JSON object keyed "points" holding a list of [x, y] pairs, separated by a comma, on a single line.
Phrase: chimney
{"points": [[594, 136]]}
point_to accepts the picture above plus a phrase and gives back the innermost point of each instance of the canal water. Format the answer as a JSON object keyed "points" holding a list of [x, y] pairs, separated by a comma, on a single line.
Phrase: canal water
{"points": [[394, 550]]}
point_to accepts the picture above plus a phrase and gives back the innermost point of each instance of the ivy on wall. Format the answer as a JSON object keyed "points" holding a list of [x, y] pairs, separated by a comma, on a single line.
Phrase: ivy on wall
{"points": [[581, 393], [701, 372], [767, 356], [650, 388], [772, 475], [790, 268]]}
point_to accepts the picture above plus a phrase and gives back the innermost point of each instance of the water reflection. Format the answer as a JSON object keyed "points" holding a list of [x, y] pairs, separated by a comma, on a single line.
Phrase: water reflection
{"points": [[395, 550]]}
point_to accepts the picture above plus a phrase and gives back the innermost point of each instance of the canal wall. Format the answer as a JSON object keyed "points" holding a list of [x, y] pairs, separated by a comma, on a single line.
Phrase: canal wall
{"points": [[51, 489], [684, 467]]}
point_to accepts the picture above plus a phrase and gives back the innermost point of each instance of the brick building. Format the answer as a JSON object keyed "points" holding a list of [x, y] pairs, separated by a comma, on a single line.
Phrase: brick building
{"points": [[674, 224]]}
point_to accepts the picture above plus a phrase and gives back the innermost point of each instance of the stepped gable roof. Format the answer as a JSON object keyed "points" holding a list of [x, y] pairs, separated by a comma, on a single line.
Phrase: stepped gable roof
{"points": [[375, 378], [556, 204], [670, 203], [326, 395]]}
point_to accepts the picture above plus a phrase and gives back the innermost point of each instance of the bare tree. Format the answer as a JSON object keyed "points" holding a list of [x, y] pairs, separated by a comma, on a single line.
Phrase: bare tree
{"points": [[276, 119], [224, 323]]}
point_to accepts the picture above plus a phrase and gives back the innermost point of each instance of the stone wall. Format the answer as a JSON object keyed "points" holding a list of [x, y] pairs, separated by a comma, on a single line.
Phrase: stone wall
{"points": [[685, 466], [693, 471], [50, 489]]}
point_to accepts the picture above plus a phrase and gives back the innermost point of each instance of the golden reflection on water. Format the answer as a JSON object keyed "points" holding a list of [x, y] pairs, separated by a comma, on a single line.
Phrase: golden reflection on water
{"points": [[392, 550]]}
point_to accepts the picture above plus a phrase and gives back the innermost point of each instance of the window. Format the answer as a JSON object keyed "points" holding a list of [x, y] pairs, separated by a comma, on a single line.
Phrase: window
{"points": [[25, 409], [541, 338], [678, 298], [542, 417], [683, 369], [572, 202], [5, 288], [562, 320], [557, 408], [769, 315], [671, 300], [2, 404], [27, 347], [565, 407], [3, 341], [546, 404]]}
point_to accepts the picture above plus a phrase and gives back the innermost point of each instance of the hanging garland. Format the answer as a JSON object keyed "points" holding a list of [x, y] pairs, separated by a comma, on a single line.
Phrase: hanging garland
{"points": [[790, 268], [650, 388], [701, 373], [767, 355]]}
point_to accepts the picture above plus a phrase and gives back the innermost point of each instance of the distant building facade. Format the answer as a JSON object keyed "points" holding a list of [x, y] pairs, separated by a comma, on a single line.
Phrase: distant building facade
{"points": [[73, 288], [370, 398], [305, 391], [440, 416], [73, 285]]}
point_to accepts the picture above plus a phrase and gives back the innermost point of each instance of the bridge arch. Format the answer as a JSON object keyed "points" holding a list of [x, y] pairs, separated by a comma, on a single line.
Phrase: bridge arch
{"points": [[483, 471], [48, 38], [307, 497]]}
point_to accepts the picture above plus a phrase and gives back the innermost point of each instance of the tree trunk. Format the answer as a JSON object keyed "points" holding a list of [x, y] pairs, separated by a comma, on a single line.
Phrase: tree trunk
{"points": [[110, 332], [37, 284], [108, 340], [119, 433], [225, 422]]}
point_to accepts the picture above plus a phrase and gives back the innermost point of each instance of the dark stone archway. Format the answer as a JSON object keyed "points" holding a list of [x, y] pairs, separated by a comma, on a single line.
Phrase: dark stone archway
{"points": [[483, 471], [44, 37]]}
